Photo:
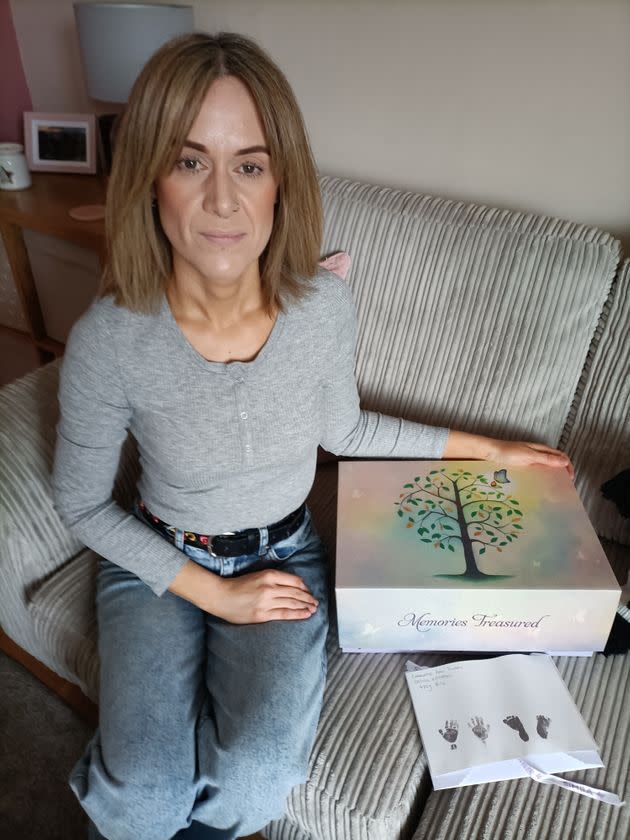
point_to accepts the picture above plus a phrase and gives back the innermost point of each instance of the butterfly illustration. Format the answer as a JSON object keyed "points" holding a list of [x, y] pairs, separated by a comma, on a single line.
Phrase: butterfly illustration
{"points": [[500, 477]]}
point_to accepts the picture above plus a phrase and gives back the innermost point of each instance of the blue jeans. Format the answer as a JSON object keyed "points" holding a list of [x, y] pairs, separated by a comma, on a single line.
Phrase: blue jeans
{"points": [[200, 719]]}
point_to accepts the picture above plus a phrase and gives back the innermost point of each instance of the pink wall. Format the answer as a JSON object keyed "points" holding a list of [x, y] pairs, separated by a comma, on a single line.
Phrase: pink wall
{"points": [[14, 93]]}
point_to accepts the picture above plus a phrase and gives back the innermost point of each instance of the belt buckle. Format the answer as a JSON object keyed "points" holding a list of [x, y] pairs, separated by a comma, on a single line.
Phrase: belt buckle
{"points": [[212, 537]]}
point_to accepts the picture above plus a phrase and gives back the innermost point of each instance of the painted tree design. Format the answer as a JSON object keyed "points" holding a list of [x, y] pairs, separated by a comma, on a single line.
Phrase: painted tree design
{"points": [[451, 508]]}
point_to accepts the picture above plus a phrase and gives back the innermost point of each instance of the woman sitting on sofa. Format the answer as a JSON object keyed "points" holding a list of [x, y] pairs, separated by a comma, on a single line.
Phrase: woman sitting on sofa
{"points": [[230, 357]]}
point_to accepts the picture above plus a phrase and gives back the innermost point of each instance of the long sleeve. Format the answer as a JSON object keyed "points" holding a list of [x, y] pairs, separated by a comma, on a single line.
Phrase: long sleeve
{"points": [[351, 431], [94, 417]]}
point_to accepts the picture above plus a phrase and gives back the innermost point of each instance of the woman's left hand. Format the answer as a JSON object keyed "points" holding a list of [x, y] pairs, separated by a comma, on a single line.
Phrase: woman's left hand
{"points": [[524, 454]]}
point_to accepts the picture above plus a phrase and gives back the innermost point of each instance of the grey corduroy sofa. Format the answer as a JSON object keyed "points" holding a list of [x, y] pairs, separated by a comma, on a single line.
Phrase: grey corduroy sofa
{"points": [[488, 320]]}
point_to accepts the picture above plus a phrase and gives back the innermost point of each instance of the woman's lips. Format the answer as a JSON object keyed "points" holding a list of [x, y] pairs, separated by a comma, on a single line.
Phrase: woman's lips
{"points": [[223, 238]]}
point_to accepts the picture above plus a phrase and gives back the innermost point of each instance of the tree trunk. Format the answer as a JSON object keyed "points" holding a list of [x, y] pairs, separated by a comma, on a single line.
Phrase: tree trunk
{"points": [[472, 569]]}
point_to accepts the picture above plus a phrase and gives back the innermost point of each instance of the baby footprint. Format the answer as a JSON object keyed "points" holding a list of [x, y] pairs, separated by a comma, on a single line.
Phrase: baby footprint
{"points": [[542, 727], [514, 722]]}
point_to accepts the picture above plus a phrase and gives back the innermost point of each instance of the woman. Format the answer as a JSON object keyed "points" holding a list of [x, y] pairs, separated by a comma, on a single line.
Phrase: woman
{"points": [[218, 343]]}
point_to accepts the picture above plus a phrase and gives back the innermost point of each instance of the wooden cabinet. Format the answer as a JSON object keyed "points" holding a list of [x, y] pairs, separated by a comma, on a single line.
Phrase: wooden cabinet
{"points": [[44, 208]]}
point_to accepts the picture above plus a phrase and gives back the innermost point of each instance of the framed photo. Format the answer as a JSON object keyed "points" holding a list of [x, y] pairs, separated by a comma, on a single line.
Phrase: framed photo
{"points": [[60, 142]]}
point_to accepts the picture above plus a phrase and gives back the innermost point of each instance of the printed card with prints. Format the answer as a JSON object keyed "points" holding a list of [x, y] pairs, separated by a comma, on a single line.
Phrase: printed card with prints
{"points": [[501, 718]]}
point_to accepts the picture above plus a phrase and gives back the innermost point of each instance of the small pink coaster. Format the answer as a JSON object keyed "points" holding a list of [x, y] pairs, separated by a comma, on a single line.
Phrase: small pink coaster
{"points": [[87, 212]]}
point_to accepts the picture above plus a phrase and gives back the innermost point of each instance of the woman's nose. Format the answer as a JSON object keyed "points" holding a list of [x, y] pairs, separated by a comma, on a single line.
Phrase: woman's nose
{"points": [[220, 197]]}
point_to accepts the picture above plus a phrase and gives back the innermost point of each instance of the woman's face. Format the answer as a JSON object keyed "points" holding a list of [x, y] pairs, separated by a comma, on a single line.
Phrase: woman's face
{"points": [[217, 204]]}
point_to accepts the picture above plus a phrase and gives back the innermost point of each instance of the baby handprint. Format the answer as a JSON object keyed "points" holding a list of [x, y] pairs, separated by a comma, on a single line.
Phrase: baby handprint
{"points": [[450, 732], [479, 728]]}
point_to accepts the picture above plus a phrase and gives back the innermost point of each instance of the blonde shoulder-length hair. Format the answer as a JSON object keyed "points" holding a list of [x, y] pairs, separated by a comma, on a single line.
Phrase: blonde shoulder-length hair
{"points": [[162, 107]]}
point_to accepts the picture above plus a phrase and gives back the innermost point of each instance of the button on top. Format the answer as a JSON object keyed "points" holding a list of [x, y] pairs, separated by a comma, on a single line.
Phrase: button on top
{"points": [[243, 415]]}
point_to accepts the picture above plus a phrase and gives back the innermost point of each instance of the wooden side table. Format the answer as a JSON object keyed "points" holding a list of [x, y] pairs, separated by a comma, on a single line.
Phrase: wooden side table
{"points": [[44, 208]]}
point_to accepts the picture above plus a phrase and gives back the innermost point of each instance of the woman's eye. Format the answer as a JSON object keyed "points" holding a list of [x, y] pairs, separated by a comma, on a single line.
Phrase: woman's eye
{"points": [[252, 170], [189, 165]]}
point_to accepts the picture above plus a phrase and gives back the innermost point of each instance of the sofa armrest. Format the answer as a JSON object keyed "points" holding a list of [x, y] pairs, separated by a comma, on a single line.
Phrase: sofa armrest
{"points": [[34, 541]]}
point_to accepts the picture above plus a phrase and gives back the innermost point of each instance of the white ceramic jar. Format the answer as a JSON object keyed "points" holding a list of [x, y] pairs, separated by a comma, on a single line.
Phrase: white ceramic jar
{"points": [[14, 174]]}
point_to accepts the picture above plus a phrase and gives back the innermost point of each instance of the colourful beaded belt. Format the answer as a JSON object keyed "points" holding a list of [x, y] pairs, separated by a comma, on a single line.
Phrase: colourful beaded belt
{"points": [[228, 545]]}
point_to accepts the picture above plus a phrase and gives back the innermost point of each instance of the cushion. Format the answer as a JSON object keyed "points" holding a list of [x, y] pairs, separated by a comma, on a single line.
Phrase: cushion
{"points": [[469, 316]]}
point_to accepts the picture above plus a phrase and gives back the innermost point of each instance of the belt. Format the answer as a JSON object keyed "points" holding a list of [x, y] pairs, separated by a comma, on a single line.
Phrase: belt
{"points": [[227, 545]]}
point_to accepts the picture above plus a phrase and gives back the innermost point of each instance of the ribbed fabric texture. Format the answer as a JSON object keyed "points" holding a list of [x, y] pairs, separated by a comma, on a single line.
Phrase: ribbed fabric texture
{"points": [[63, 612], [469, 317], [525, 810], [599, 438], [34, 543]]}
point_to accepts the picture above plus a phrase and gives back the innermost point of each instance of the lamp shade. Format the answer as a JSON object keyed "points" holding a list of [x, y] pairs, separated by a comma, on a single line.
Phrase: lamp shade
{"points": [[117, 39]]}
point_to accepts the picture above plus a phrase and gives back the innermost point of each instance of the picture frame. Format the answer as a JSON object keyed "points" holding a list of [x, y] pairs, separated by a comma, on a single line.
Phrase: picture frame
{"points": [[60, 142]]}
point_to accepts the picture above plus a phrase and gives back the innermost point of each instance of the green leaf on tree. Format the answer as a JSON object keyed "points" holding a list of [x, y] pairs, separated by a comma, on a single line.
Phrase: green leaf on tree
{"points": [[450, 548], [400, 513], [482, 551], [515, 525], [408, 485]]}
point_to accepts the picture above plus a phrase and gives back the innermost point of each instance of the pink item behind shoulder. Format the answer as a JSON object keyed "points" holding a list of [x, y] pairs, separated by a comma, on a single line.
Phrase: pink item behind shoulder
{"points": [[339, 263]]}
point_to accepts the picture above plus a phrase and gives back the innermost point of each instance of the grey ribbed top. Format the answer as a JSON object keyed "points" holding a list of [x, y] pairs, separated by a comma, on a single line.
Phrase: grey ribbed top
{"points": [[223, 446]]}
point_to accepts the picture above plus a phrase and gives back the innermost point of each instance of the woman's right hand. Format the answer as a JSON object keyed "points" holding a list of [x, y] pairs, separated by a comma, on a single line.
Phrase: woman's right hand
{"points": [[253, 598], [270, 595]]}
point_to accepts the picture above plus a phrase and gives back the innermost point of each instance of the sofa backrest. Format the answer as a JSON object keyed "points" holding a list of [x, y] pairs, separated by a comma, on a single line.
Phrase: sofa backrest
{"points": [[598, 435], [469, 316]]}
